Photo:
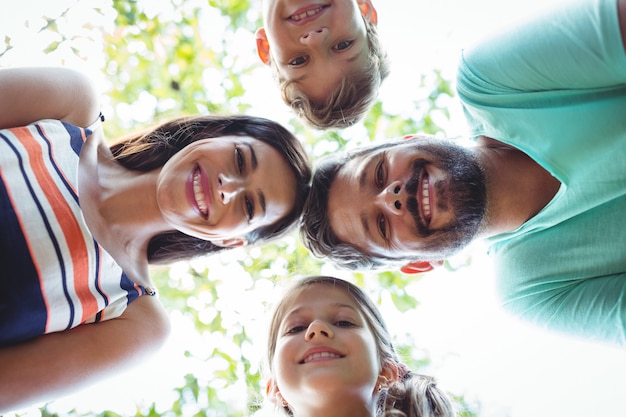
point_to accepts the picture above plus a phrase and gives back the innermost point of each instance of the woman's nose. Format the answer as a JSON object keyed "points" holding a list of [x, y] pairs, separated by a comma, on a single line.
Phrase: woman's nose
{"points": [[318, 329], [228, 188], [314, 37], [391, 198]]}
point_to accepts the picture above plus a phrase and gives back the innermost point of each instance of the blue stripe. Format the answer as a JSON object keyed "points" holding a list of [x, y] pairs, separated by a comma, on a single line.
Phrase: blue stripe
{"points": [[51, 235], [60, 177]]}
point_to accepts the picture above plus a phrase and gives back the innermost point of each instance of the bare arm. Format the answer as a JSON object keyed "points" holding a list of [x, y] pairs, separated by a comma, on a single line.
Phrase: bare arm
{"points": [[56, 364], [31, 94]]}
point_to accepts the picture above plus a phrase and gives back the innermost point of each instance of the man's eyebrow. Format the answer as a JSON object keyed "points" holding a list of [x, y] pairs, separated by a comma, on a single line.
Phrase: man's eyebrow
{"points": [[366, 226]]}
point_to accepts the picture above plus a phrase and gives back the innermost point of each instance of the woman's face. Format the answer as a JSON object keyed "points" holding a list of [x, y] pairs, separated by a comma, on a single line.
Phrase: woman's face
{"points": [[221, 189], [326, 356]]}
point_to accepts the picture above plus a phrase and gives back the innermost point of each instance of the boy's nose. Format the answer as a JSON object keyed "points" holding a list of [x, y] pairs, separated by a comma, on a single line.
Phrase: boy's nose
{"points": [[314, 37]]}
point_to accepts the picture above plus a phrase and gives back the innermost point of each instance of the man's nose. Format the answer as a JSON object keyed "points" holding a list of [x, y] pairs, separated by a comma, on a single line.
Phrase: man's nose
{"points": [[314, 37], [228, 188], [391, 199]]}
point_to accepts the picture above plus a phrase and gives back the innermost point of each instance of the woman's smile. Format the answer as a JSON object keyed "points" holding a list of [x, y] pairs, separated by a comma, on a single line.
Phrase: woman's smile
{"points": [[199, 192]]}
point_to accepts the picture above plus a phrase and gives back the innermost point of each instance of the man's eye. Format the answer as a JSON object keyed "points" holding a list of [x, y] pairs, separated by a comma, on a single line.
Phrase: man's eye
{"points": [[249, 209], [343, 45], [241, 161], [382, 226], [301, 60]]}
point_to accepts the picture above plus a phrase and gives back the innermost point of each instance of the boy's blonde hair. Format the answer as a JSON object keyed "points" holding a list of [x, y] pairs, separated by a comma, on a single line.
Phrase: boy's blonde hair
{"points": [[351, 99]]}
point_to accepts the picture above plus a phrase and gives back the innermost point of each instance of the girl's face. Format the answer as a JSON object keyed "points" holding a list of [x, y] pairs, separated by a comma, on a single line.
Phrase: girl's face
{"points": [[221, 189], [326, 356]]}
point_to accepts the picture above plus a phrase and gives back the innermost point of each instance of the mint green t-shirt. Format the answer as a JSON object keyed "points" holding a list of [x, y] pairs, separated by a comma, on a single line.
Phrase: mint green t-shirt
{"points": [[555, 88]]}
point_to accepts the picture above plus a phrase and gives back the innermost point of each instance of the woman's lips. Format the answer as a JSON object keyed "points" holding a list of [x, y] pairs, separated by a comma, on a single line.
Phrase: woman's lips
{"points": [[198, 192]]}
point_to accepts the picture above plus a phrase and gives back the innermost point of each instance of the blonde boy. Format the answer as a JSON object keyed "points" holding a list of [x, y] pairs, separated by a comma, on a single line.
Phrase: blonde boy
{"points": [[325, 56]]}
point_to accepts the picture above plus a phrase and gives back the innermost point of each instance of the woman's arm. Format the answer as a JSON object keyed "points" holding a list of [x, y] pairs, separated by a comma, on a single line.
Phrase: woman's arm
{"points": [[55, 364], [31, 94]]}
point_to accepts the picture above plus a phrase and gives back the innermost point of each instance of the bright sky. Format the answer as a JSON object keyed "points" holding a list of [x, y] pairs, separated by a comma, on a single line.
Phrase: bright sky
{"points": [[512, 369]]}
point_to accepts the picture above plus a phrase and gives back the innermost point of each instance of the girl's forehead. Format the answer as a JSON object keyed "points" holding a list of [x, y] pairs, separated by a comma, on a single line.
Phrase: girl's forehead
{"points": [[318, 295]]}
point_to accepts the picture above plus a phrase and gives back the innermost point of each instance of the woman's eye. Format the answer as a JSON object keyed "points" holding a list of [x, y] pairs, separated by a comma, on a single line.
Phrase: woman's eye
{"points": [[249, 209], [241, 161], [382, 226], [301, 60], [342, 45]]}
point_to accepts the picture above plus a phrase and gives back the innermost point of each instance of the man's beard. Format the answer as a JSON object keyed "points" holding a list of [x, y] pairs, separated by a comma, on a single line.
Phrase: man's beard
{"points": [[464, 189]]}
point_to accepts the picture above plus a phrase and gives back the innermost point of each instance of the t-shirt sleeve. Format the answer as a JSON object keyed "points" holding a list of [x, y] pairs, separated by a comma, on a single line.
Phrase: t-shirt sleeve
{"points": [[574, 46]]}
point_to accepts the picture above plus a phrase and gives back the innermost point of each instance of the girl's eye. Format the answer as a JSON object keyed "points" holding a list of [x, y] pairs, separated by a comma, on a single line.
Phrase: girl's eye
{"points": [[344, 323], [249, 209], [382, 226], [343, 45], [380, 175], [241, 161], [295, 329], [301, 60]]}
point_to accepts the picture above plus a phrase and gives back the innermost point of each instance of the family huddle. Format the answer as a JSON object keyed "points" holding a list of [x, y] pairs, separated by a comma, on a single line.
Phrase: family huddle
{"points": [[83, 217]]}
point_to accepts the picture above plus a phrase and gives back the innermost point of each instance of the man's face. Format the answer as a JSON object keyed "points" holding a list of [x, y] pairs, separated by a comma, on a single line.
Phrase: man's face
{"points": [[421, 199], [313, 44]]}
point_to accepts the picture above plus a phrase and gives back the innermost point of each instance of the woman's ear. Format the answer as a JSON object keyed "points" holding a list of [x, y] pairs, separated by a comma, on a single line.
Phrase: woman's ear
{"points": [[234, 242], [262, 46], [368, 11]]}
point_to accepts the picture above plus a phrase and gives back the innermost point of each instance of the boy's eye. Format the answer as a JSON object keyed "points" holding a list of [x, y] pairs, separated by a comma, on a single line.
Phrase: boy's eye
{"points": [[301, 60], [343, 45]]}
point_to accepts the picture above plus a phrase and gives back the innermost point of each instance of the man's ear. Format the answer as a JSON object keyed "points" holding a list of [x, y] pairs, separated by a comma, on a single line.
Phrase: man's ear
{"points": [[234, 242], [368, 11], [419, 267], [262, 46]]}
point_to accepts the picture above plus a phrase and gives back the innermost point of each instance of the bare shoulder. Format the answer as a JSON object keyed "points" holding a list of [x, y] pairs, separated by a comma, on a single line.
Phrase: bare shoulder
{"points": [[148, 317], [35, 93]]}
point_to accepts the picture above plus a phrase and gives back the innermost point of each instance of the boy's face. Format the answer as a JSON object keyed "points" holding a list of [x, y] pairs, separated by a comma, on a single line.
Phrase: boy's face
{"points": [[315, 44]]}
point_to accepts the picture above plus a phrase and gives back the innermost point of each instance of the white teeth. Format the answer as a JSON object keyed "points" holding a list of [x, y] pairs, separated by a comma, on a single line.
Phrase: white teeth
{"points": [[425, 199], [199, 194], [320, 355], [302, 15]]}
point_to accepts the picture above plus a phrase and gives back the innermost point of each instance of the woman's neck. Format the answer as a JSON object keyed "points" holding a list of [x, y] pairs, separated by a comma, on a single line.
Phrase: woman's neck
{"points": [[119, 206]]}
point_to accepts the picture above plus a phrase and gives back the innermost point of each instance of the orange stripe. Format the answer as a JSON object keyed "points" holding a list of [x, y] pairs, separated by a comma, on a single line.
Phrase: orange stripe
{"points": [[68, 224]]}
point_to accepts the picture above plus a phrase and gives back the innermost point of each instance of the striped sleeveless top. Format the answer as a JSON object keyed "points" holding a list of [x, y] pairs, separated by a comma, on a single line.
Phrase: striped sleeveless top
{"points": [[53, 274]]}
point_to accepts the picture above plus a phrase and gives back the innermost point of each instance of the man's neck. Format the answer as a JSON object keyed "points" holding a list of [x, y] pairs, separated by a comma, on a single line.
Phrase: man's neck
{"points": [[517, 187]]}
